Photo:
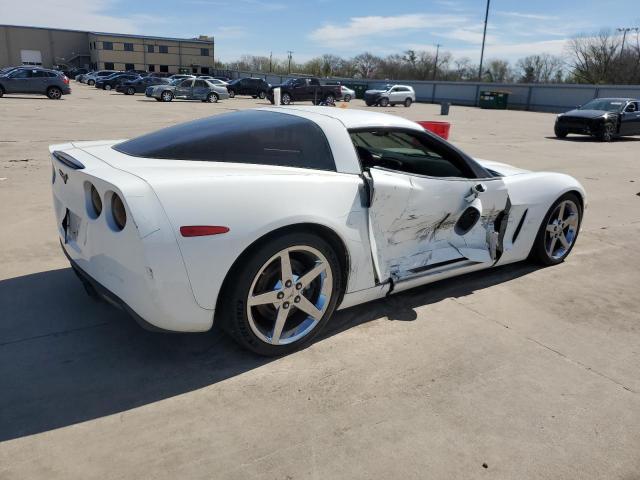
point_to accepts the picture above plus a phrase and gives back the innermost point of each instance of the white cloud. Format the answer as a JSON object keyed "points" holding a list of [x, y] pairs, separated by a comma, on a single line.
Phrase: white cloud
{"points": [[71, 14], [359, 28], [229, 32], [528, 16], [514, 51]]}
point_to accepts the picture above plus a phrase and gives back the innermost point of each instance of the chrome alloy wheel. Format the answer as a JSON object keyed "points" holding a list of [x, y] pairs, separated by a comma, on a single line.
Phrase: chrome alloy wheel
{"points": [[562, 229], [289, 295]]}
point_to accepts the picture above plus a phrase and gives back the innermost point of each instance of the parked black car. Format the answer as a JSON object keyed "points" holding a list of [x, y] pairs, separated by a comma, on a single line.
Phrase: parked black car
{"points": [[301, 89], [603, 118], [114, 80], [255, 87], [39, 81], [139, 85]]}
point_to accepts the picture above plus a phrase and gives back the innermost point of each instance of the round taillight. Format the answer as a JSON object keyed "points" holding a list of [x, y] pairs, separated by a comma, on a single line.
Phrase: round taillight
{"points": [[96, 201], [118, 212]]}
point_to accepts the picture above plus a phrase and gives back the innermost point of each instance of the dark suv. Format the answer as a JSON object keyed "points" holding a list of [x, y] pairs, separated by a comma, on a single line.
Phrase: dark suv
{"points": [[40, 81], [256, 87], [112, 81], [140, 85]]}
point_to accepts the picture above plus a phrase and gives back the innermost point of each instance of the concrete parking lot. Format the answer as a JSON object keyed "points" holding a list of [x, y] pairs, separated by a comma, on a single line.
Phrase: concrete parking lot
{"points": [[520, 372]]}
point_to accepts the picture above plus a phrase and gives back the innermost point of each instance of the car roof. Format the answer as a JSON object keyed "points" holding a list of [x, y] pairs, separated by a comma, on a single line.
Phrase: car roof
{"points": [[350, 118]]}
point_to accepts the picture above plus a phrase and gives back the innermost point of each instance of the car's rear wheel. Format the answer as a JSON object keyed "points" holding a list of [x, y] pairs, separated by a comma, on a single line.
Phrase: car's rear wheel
{"points": [[408, 102], [559, 230], [166, 96], [54, 93], [347, 98], [91, 83], [107, 87], [158, 99], [232, 93], [384, 102], [560, 132], [369, 104], [608, 131], [285, 99], [262, 94], [130, 91], [282, 295], [212, 97]]}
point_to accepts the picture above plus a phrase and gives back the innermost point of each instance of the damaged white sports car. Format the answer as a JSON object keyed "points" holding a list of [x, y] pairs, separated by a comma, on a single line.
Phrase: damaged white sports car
{"points": [[269, 220]]}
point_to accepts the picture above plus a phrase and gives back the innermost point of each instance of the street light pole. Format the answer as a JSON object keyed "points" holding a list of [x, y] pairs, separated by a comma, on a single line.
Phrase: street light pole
{"points": [[484, 37], [290, 52], [435, 66]]}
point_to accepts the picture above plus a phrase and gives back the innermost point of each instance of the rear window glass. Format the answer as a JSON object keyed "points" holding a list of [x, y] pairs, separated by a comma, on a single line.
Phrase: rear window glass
{"points": [[256, 137]]}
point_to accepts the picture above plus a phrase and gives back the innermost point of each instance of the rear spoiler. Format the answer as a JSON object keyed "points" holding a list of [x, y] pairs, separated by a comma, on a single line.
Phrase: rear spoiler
{"points": [[67, 160]]}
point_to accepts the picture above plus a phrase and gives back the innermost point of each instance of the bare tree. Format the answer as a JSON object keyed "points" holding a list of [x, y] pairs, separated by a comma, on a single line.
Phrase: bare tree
{"points": [[543, 68], [366, 64]]}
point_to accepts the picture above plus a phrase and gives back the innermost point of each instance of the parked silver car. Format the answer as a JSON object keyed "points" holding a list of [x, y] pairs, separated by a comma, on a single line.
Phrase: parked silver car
{"points": [[91, 78], [188, 89], [390, 95], [347, 94]]}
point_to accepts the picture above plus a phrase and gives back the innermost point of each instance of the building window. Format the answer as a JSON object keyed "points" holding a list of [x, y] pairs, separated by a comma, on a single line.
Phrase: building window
{"points": [[152, 68], [194, 69], [108, 66], [128, 47], [107, 45], [204, 70], [149, 48], [129, 66], [204, 52], [164, 68], [163, 49]]}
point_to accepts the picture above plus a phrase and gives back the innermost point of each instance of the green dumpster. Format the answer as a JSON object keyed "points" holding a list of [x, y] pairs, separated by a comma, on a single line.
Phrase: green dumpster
{"points": [[494, 100], [358, 87]]}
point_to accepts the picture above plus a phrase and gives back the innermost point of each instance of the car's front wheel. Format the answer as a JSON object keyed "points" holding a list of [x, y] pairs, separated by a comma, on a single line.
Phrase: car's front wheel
{"points": [[232, 93], [212, 97], [107, 87], [559, 230], [91, 83], [282, 294], [130, 91], [285, 99], [384, 102], [608, 131], [54, 93], [262, 94], [166, 96]]}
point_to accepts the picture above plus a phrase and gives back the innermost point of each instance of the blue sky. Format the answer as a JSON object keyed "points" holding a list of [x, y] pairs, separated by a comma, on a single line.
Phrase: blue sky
{"points": [[310, 28]]}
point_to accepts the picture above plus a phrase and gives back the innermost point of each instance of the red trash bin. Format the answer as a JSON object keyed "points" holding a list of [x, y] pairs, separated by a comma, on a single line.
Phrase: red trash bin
{"points": [[439, 128]]}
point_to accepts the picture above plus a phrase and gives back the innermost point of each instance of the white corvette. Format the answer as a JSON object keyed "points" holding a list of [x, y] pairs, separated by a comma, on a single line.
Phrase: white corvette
{"points": [[268, 220]]}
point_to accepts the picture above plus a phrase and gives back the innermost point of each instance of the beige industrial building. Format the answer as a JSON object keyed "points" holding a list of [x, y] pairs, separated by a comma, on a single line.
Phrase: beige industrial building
{"points": [[53, 47]]}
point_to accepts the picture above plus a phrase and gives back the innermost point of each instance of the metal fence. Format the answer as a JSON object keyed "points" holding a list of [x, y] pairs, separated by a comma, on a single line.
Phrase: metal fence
{"points": [[522, 96]]}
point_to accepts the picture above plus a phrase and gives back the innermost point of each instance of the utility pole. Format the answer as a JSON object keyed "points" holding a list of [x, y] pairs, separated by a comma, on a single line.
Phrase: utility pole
{"points": [[290, 52], [435, 66], [484, 37], [270, 62]]}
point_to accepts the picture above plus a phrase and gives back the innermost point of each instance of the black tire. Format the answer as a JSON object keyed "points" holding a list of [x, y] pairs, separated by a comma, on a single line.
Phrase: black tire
{"points": [[157, 99], [212, 97], [330, 99], [1, 92], [232, 93], [166, 96], [54, 93], [369, 104], [262, 94], [538, 251], [347, 98], [384, 102], [560, 132], [286, 99], [254, 96], [232, 311], [408, 102], [107, 87], [608, 132], [130, 91]]}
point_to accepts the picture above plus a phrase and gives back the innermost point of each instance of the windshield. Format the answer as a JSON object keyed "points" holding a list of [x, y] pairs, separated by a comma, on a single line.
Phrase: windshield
{"points": [[604, 104]]}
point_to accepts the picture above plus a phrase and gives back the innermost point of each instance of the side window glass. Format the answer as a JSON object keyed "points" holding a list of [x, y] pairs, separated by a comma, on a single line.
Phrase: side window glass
{"points": [[408, 152], [200, 84], [186, 83], [21, 74]]}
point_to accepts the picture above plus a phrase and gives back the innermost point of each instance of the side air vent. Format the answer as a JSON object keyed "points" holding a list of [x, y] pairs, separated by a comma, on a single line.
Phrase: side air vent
{"points": [[519, 227]]}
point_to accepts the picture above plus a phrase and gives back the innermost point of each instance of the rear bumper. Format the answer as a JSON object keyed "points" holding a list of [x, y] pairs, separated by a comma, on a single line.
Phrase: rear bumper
{"points": [[104, 293]]}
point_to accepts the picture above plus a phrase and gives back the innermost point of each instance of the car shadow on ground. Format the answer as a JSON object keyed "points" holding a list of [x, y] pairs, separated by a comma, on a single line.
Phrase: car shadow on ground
{"points": [[587, 138], [65, 358]]}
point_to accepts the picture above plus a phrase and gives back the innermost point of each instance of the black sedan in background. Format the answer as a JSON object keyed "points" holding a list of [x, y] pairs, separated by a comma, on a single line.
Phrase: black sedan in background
{"points": [[603, 118], [112, 81], [139, 85]]}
